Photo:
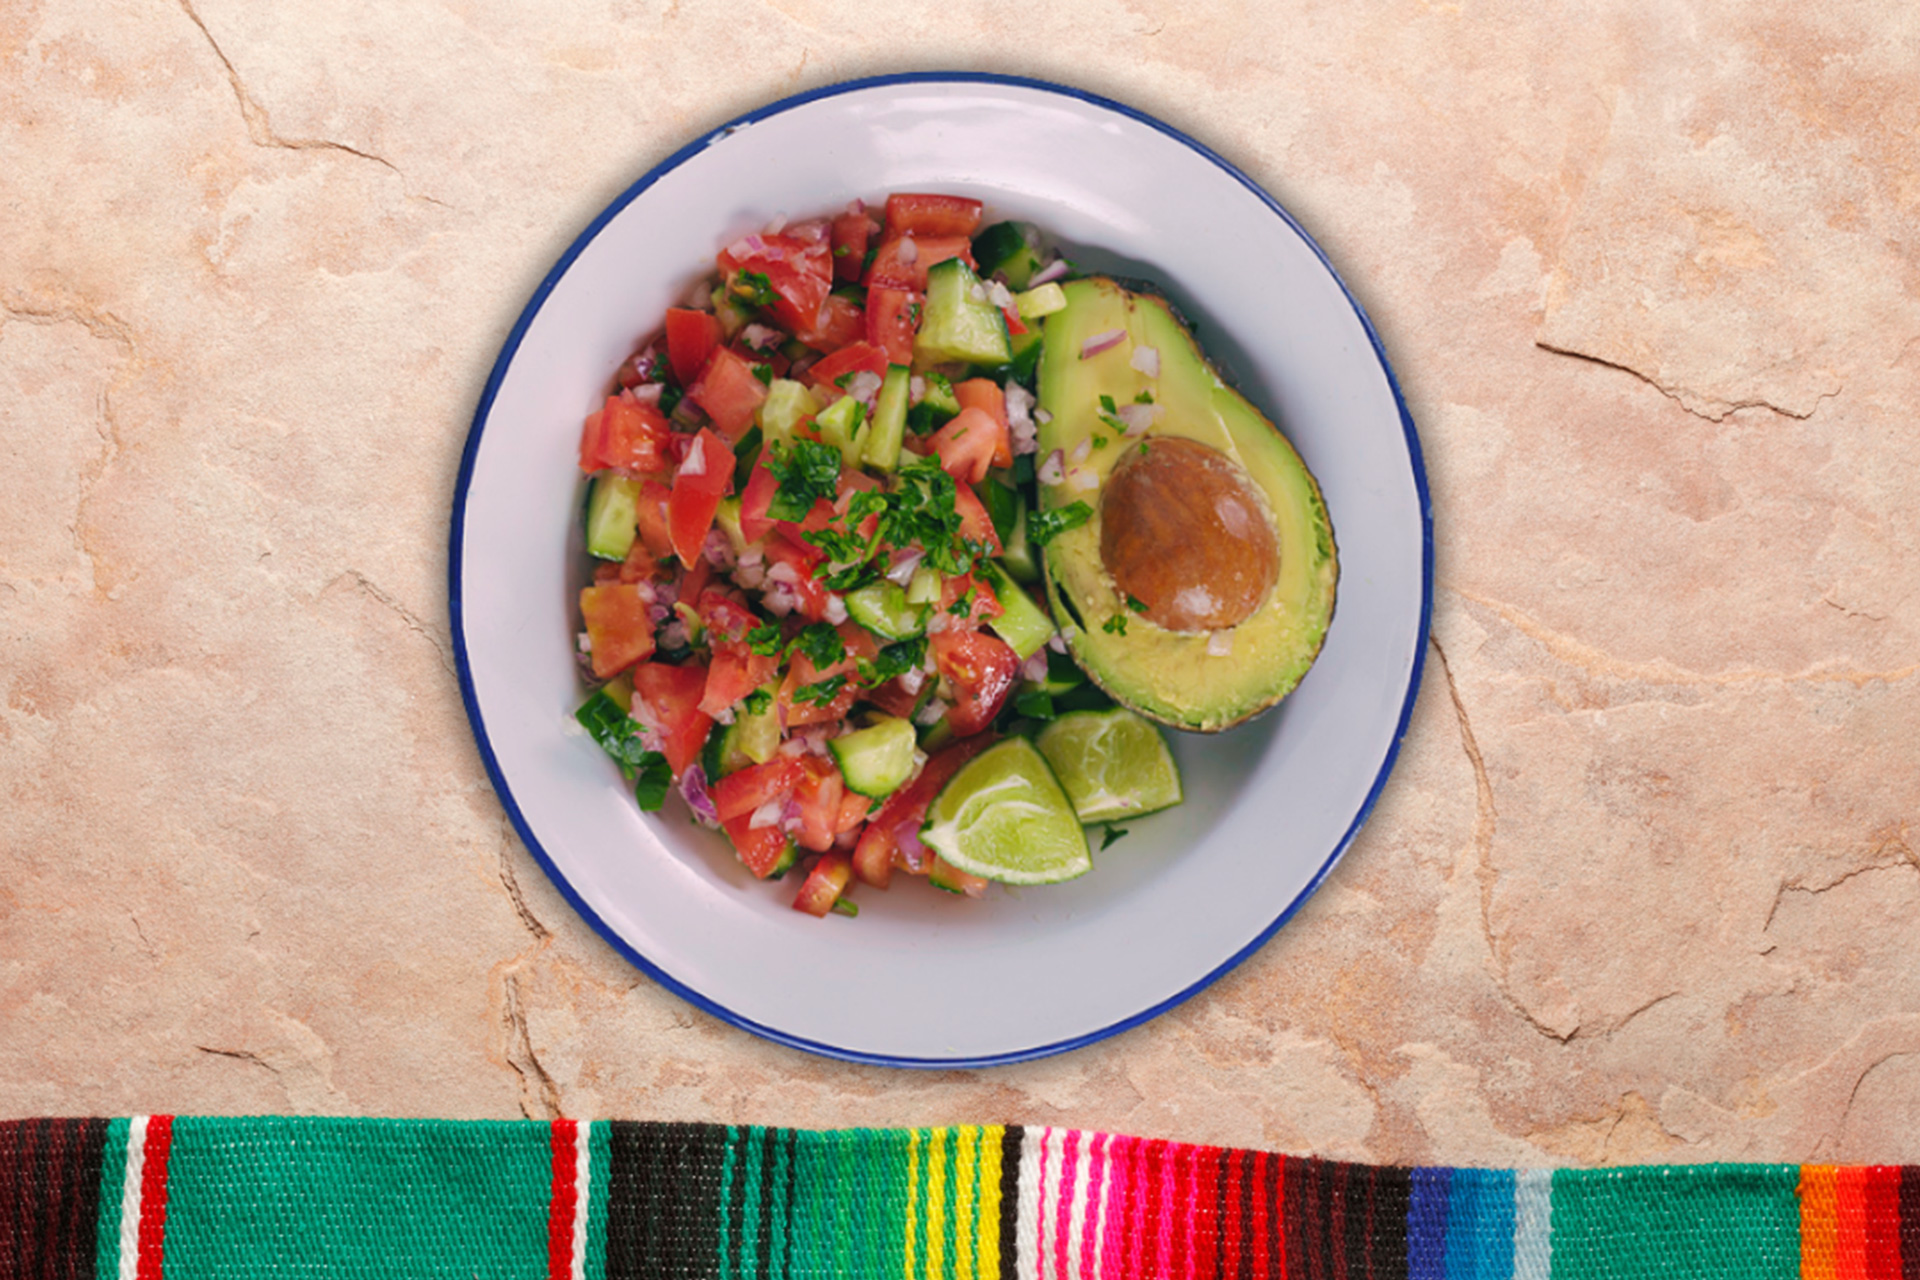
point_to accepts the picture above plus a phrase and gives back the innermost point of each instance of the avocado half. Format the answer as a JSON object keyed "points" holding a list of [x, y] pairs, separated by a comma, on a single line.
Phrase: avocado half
{"points": [[1200, 591]]}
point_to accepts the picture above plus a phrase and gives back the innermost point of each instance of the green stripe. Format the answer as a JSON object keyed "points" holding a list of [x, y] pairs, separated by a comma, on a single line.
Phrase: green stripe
{"points": [[113, 1185], [1706, 1222], [322, 1196], [599, 1139]]}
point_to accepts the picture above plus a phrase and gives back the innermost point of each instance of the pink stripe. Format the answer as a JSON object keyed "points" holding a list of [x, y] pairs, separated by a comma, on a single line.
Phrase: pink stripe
{"points": [[1137, 1168], [1090, 1247], [1040, 1212], [1113, 1245], [1063, 1210]]}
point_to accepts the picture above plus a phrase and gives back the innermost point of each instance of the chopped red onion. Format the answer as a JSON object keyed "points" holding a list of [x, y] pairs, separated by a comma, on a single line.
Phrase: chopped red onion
{"points": [[909, 252], [1220, 643], [749, 574], [674, 635], [1042, 417], [768, 814], [836, 610], [1081, 450], [646, 393], [1035, 667], [700, 295], [1048, 274], [695, 463], [1138, 417], [658, 613], [1057, 642], [779, 601], [916, 388], [856, 207], [723, 716], [906, 838], [1001, 296], [760, 337], [1082, 478], [904, 562], [793, 747], [978, 293], [864, 386], [776, 225], [693, 789], [718, 550], [784, 574], [912, 679], [1102, 341], [1054, 469], [583, 643], [934, 708], [1019, 404], [1146, 360]]}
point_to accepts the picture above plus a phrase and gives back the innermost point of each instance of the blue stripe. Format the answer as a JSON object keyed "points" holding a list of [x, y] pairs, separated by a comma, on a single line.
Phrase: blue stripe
{"points": [[1480, 1225], [1427, 1225]]}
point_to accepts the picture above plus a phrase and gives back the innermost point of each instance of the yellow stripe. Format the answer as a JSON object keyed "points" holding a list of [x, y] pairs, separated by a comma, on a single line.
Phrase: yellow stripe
{"points": [[989, 1232], [966, 1168], [913, 1197], [936, 1205]]}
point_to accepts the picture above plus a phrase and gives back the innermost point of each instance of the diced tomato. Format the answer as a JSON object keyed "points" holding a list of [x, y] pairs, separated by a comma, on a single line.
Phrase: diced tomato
{"points": [[625, 435], [986, 605], [985, 393], [853, 812], [1016, 328], [893, 316], [819, 794], [910, 213], [818, 517], [824, 884], [697, 492], [755, 499], [729, 391], [859, 647], [968, 445], [761, 849], [840, 322], [735, 672], [655, 533], [947, 876], [619, 631], [981, 670], [671, 696], [691, 338], [851, 231], [888, 271], [694, 580], [892, 698], [853, 358], [873, 856], [744, 790], [975, 524], [799, 269]]}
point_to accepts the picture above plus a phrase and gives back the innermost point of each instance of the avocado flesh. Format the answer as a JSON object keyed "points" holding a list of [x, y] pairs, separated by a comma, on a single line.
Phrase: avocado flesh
{"points": [[1166, 675]]}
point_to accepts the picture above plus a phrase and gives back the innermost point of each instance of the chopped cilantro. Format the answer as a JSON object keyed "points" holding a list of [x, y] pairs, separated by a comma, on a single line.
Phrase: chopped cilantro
{"points": [[895, 659], [842, 250], [753, 288], [841, 906], [1044, 526], [821, 643], [1100, 442], [652, 777], [806, 472], [1107, 404], [921, 509], [1145, 397], [758, 701], [1116, 625], [765, 640], [821, 692], [1136, 604], [1034, 705], [764, 372], [1113, 833], [964, 605]]}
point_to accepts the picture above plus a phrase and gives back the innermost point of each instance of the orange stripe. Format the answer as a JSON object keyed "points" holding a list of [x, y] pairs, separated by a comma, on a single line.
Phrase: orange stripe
{"points": [[1819, 1212], [1850, 1253]]}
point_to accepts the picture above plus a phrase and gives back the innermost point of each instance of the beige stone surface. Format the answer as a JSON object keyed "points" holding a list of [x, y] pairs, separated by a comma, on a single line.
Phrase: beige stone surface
{"points": [[1645, 885]]}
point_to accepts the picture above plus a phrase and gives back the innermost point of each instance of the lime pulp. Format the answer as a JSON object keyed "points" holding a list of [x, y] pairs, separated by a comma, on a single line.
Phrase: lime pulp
{"points": [[1004, 817]]}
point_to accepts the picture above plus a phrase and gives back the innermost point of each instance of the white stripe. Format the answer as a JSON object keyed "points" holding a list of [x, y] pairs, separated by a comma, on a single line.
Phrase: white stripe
{"points": [[1025, 1232], [1532, 1224], [1077, 1214], [130, 1198], [582, 1194]]}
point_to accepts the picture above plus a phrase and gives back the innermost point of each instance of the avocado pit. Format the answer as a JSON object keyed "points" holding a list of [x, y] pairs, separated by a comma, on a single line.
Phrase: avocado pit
{"points": [[1184, 533]]}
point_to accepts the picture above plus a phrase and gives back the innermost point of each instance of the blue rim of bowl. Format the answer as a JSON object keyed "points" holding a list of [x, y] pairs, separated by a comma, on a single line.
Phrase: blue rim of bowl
{"points": [[454, 565]]}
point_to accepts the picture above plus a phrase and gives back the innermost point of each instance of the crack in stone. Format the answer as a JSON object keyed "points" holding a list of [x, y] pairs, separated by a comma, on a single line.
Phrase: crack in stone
{"points": [[511, 882], [260, 130], [405, 614], [1814, 890], [539, 1095], [1596, 662], [239, 1055], [1678, 395], [1486, 819], [1840, 1126]]}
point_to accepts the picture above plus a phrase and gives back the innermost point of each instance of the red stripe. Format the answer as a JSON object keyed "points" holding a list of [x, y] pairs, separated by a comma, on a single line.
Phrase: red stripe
{"points": [[1283, 1189], [1232, 1224], [1882, 1204], [153, 1198], [1205, 1259], [564, 1138], [1262, 1209]]}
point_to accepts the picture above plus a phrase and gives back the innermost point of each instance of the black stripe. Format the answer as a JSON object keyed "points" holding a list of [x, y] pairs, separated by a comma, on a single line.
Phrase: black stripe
{"points": [[50, 1198], [1387, 1241], [769, 1177], [1010, 1140], [734, 1213], [786, 1255], [663, 1196]]}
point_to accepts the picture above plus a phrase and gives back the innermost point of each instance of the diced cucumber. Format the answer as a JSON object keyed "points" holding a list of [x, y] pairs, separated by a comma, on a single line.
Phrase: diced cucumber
{"points": [[732, 319], [1008, 248], [843, 424], [746, 452], [620, 689], [924, 587], [936, 735], [889, 419], [1023, 624], [613, 508], [877, 759], [942, 874], [936, 406], [1008, 511], [1043, 301], [786, 404], [882, 608], [956, 325], [727, 516], [789, 858], [750, 739]]}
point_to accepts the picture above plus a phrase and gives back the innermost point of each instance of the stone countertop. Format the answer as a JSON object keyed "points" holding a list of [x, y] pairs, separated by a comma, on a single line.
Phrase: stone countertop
{"points": [[1644, 885]]}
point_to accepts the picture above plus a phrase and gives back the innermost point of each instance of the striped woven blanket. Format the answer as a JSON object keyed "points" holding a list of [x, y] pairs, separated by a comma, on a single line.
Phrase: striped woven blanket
{"points": [[163, 1196]]}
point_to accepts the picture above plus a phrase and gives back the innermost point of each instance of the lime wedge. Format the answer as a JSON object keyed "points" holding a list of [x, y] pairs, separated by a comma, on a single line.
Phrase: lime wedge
{"points": [[1113, 764], [1004, 817]]}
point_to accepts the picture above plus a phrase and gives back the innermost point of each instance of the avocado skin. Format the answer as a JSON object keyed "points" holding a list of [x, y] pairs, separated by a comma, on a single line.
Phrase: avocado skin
{"points": [[1169, 676]]}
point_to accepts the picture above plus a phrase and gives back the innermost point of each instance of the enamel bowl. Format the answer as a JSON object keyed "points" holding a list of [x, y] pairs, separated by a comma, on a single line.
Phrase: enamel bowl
{"points": [[921, 978]]}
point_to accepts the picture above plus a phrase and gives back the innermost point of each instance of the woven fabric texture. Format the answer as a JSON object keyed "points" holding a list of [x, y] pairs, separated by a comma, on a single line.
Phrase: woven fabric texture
{"points": [[165, 1198]]}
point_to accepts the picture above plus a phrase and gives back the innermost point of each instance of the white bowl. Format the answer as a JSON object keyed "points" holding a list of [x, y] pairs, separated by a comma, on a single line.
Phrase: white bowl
{"points": [[920, 978]]}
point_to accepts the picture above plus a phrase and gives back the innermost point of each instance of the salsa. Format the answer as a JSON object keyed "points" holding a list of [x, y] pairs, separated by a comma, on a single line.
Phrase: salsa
{"points": [[811, 521]]}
